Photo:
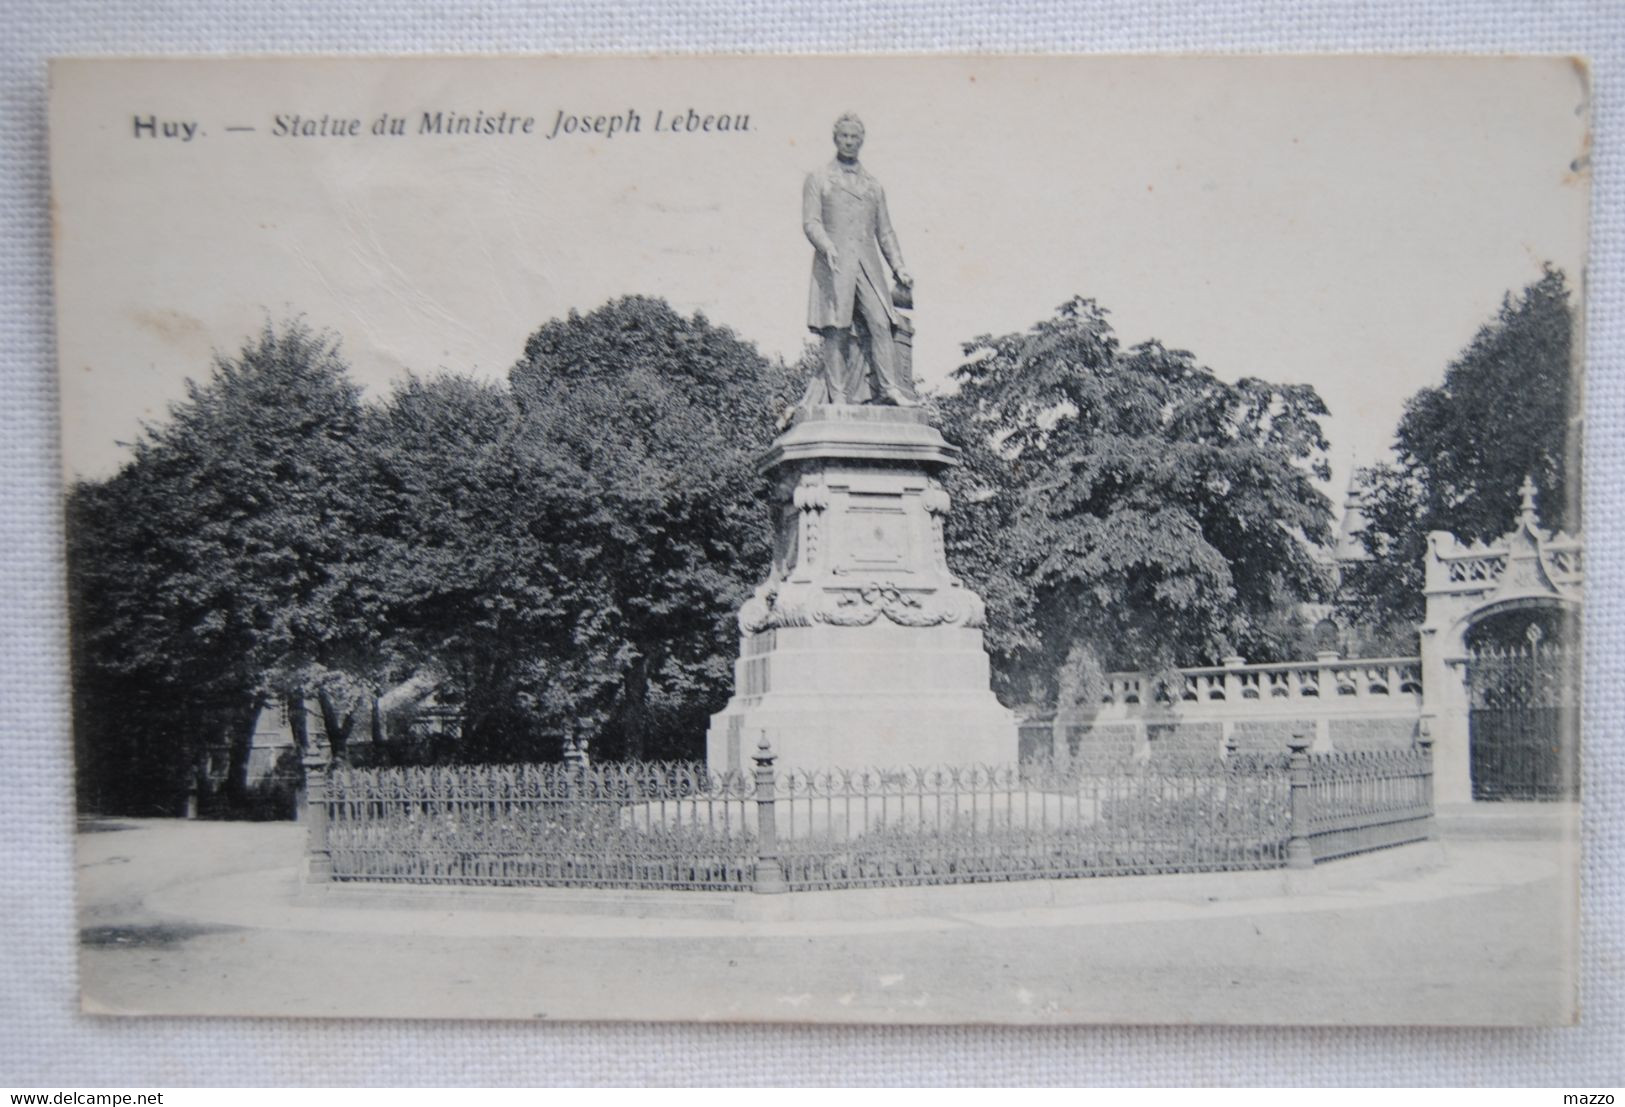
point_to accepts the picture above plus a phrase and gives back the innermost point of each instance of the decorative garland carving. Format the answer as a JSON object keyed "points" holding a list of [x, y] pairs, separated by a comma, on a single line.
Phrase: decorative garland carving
{"points": [[757, 612], [780, 604]]}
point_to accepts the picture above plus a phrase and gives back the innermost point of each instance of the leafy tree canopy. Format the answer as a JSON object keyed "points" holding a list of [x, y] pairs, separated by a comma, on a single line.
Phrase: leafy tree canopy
{"points": [[221, 561], [563, 556], [639, 429], [1508, 409], [1126, 507], [472, 591]]}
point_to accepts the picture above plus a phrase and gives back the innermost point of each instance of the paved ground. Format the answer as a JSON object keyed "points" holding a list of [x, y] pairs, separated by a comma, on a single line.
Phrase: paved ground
{"points": [[208, 918]]}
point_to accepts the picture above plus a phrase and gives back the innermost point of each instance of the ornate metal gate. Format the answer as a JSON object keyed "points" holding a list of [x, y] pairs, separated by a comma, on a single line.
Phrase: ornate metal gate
{"points": [[1525, 715]]}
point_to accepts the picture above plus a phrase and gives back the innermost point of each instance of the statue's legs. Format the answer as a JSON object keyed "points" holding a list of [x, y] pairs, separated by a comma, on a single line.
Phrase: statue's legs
{"points": [[843, 370], [873, 321], [861, 364]]}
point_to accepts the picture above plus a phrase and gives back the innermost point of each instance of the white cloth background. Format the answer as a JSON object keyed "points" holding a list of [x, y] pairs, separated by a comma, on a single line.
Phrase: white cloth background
{"points": [[44, 1042]]}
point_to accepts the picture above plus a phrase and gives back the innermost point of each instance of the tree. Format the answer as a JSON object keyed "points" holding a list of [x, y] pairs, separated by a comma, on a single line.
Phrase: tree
{"points": [[139, 733], [473, 559], [638, 431], [1508, 409], [220, 565], [565, 556], [1130, 508]]}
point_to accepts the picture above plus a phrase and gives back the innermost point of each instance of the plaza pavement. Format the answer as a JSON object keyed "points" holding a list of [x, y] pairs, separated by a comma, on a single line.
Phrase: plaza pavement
{"points": [[211, 918]]}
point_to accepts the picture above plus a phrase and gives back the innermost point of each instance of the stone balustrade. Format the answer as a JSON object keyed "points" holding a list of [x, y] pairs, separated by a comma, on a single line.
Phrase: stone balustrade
{"points": [[1287, 689], [1347, 704]]}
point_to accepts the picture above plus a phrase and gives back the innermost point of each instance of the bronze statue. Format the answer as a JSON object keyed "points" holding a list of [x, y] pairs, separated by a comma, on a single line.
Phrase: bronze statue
{"points": [[843, 211]]}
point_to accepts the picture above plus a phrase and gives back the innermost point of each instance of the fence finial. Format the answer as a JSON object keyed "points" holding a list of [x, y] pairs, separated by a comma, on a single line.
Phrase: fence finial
{"points": [[575, 751], [764, 751]]}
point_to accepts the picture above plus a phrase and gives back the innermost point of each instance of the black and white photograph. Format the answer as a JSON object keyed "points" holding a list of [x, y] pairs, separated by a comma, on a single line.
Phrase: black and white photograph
{"points": [[849, 540]]}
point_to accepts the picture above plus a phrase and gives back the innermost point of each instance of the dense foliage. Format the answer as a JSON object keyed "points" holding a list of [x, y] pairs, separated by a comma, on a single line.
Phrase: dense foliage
{"points": [[1126, 508], [639, 430], [1508, 409], [558, 558], [220, 563]]}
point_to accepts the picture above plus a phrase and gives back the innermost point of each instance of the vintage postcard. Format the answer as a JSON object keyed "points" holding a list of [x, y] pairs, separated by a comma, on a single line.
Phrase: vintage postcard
{"points": [[862, 540]]}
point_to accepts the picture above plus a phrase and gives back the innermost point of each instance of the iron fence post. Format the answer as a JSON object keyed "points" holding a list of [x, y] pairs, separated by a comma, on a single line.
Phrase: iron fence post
{"points": [[1298, 853], [572, 784], [575, 763], [1424, 742], [769, 870], [318, 852]]}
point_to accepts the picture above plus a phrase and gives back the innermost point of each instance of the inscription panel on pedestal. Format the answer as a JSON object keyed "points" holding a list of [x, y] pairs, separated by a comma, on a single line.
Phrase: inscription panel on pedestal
{"points": [[877, 534]]}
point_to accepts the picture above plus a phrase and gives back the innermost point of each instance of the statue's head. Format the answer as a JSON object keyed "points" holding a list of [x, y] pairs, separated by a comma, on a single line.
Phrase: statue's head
{"points": [[848, 134]]}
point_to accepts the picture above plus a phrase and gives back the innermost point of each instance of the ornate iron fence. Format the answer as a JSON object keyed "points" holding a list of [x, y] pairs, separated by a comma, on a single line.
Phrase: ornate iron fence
{"points": [[683, 827], [619, 826], [1369, 800], [1065, 819]]}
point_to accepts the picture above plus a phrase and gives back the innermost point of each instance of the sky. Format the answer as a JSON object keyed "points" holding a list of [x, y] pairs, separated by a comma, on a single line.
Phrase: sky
{"points": [[1343, 222]]}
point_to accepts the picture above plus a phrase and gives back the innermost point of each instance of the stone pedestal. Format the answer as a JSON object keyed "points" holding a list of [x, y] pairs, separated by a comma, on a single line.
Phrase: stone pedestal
{"points": [[861, 648]]}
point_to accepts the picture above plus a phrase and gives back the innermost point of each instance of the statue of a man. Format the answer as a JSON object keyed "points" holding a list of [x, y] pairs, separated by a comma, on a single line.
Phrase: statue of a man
{"points": [[843, 211]]}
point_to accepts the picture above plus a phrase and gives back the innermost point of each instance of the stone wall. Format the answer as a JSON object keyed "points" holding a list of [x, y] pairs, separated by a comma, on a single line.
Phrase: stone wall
{"points": [[1344, 733], [1394, 733]]}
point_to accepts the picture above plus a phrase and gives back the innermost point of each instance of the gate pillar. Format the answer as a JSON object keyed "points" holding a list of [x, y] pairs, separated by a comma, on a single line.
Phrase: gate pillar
{"points": [[1528, 567], [1447, 710]]}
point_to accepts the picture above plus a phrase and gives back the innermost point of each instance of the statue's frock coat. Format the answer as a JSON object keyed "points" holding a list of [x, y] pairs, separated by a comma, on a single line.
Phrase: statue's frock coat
{"points": [[846, 207]]}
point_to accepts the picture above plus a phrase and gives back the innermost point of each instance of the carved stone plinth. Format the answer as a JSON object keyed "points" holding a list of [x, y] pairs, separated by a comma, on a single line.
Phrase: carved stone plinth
{"points": [[861, 648]]}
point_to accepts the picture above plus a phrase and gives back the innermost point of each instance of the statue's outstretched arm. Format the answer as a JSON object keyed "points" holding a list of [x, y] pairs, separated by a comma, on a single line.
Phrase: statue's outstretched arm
{"points": [[889, 248]]}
